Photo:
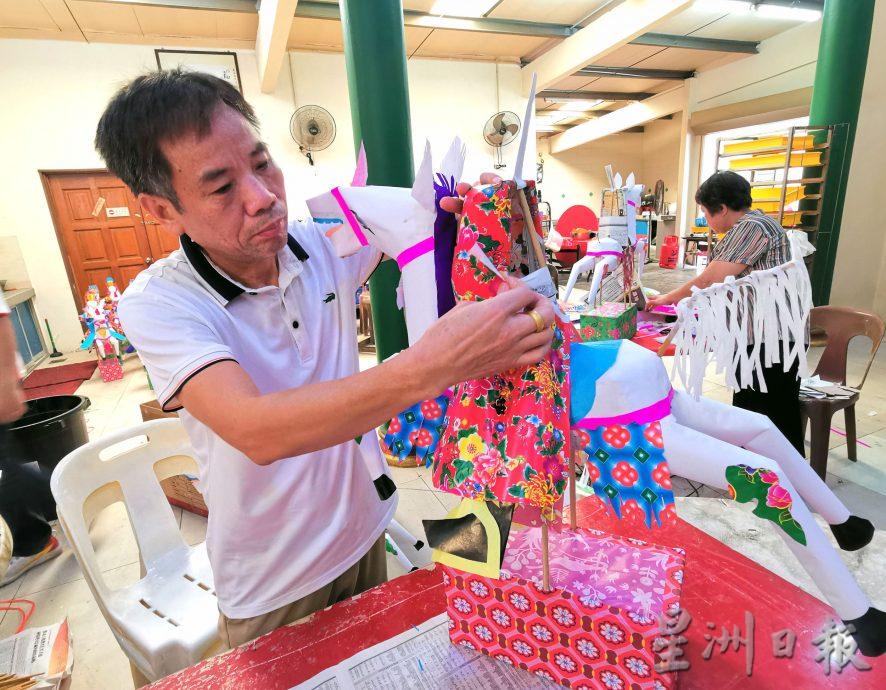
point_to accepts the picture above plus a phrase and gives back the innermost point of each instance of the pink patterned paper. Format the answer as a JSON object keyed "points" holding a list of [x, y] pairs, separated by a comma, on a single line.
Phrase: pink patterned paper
{"points": [[593, 565], [578, 636], [614, 309]]}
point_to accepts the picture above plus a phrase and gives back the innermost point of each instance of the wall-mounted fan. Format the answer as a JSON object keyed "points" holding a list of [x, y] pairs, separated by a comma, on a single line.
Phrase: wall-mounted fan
{"points": [[313, 129], [500, 130]]}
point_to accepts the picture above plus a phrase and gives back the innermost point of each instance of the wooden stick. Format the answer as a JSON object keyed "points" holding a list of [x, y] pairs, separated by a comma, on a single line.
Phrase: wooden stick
{"points": [[545, 558], [572, 509], [529, 226], [664, 346]]}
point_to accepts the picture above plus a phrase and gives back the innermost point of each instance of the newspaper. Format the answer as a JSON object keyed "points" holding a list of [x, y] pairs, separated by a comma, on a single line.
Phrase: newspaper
{"points": [[423, 658], [44, 653]]}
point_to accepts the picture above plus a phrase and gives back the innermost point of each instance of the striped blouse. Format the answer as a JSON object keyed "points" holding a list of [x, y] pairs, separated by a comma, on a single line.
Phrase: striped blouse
{"points": [[757, 241]]}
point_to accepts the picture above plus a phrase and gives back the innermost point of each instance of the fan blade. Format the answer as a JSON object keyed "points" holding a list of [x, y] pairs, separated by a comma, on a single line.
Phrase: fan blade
{"points": [[498, 121], [513, 128], [494, 139]]}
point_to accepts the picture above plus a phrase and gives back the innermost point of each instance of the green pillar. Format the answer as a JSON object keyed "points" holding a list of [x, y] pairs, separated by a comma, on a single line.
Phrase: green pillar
{"points": [[836, 98], [375, 56]]}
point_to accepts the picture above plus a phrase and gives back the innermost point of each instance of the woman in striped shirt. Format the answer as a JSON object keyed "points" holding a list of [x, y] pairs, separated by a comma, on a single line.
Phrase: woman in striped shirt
{"points": [[753, 242]]}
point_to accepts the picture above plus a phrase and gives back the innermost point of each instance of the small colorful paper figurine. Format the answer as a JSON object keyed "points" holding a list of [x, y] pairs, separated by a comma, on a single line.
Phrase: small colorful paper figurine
{"points": [[103, 334]]}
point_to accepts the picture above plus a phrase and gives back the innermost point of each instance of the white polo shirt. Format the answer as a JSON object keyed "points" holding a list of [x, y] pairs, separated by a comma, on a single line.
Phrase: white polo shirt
{"points": [[280, 532]]}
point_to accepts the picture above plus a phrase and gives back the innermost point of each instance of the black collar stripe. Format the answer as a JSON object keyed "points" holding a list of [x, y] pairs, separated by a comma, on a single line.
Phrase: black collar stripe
{"points": [[224, 287]]}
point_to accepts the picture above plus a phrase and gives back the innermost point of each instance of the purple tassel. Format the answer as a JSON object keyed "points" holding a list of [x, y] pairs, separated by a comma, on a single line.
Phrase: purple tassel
{"points": [[445, 230]]}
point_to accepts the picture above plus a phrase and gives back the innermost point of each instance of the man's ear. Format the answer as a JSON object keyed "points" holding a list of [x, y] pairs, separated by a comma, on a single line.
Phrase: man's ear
{"points": [[164, 211]]}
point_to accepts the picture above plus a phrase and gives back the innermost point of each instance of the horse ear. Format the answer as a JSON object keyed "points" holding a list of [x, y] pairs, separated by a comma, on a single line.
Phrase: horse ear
{"points": [[454, 161], [423, 188], [617, 181], [361, 172], [630, 181]]}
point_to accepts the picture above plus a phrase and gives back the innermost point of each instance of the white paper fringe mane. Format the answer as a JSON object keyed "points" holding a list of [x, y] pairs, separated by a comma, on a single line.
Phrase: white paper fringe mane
{"points": [[712, 324]]}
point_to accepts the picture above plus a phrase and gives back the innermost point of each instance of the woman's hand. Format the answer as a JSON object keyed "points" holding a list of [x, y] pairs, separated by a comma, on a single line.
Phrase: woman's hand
{"points": [[659, 301]]}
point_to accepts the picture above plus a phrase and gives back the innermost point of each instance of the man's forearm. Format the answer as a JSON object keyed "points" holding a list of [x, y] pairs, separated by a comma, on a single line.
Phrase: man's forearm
{"points": [[270, 427], [12, 405]]}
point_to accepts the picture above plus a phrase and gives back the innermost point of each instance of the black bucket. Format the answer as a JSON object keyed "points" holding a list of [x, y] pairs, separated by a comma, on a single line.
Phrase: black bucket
{"points": [[50, 429]]}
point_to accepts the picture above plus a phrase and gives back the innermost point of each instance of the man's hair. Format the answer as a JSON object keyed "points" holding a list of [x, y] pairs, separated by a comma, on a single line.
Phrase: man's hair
{"points": [[724, 188], [155, 108]]}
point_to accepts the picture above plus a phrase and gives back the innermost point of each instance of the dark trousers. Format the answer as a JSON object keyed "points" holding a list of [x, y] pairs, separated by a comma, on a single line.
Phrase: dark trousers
{"points": [[780, 402], [23, 489]]}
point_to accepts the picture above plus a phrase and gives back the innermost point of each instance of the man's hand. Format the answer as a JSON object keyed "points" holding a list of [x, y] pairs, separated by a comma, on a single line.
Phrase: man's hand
{"points": [[454, 204], [478, 339]]}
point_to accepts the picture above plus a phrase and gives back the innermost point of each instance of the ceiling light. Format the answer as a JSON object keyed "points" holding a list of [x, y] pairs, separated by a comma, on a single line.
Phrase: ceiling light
{"points": [[580, 105], [762, 8], [797, 14], [463, 8]]}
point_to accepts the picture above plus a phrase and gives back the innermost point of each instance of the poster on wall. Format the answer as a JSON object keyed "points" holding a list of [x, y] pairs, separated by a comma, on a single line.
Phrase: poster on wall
{"points": [[219, 64]]}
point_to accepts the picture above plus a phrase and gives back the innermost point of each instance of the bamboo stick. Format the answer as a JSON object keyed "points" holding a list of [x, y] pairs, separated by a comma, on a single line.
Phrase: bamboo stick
{"points": [[664, 346], [572, 509], [545, 557], [529, 226]]}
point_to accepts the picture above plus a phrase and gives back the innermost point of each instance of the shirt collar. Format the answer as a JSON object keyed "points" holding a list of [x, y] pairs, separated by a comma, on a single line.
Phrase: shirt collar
{"points": [[222, 286]]}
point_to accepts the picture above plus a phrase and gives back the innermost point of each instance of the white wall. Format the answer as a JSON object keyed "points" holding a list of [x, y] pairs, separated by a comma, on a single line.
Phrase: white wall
{"points": [[54, 97], [661, 157], [576, 176]]}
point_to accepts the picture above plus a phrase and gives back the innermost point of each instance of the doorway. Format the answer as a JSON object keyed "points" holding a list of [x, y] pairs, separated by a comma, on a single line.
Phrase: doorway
{"points": [[102, 229]]}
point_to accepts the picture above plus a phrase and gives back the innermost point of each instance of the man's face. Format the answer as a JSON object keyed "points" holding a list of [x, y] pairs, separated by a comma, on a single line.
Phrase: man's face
{"points": [[231, 193]]}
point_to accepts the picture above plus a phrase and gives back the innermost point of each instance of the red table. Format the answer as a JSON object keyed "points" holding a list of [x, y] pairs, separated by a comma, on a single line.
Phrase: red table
{"points": [[720, 585]]}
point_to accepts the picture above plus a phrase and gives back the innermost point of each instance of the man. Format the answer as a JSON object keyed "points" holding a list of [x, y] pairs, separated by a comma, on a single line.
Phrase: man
{"points": [[237, 332], [753, 242]]}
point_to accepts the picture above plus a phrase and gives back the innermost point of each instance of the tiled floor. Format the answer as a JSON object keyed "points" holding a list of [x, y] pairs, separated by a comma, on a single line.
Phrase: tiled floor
{"points": [[59, 590]]}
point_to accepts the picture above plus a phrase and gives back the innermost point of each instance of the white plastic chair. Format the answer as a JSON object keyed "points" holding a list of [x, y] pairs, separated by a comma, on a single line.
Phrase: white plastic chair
{"points": [[167, 620]]}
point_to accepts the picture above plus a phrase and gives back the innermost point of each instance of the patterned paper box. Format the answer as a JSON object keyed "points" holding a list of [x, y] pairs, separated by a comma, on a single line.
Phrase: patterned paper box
{"points": [[110, 369], [610, 321], [593, 630]]}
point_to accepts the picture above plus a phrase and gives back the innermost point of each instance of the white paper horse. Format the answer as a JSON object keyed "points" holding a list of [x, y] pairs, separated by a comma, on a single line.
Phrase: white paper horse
{"points": [[604, 254], [399, 222]]}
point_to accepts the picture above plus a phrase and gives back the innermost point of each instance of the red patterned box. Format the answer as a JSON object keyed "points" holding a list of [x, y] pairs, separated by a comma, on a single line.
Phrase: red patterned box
{"points": [[110, 369], [593, 630]]}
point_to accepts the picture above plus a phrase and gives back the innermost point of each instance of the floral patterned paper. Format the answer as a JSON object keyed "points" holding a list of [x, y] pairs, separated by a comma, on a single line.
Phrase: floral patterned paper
{"points": [[628, 470], [610, 321], [506, 436], [773, 500]]}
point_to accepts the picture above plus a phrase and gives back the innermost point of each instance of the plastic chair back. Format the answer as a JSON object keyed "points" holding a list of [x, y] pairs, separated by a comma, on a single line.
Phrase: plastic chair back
{"points": [[842, 324], [167, 620]]}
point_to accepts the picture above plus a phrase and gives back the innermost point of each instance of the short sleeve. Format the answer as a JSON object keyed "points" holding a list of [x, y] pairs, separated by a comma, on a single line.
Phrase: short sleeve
{"points": [[363, 263], [745, 244], [174, 340]]}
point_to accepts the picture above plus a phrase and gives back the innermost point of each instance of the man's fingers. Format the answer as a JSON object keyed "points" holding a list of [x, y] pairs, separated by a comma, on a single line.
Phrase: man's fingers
{"points": [[463, 188], [452, 204], [489, 178], [516, 298]]}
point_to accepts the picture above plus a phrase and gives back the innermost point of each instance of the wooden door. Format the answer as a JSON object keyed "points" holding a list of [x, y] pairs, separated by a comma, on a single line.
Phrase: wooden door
{"points": [[102, 230]]}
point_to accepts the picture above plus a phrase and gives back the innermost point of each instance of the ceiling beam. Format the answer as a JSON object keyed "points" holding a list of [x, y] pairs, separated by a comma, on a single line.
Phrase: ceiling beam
{"points": [[249, 6], [610, 31], [274, 24], [593, 95], [633, 115], [489, 25], [720, 45], [635, 73]]}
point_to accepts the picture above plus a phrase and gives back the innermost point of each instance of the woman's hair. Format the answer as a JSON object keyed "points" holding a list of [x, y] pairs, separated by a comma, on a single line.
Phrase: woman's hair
{"points": [[724, 188], [155, 108]]}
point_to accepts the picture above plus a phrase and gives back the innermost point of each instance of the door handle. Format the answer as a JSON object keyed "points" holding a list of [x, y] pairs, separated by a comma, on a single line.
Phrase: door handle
{"points": [[148, 260]]}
